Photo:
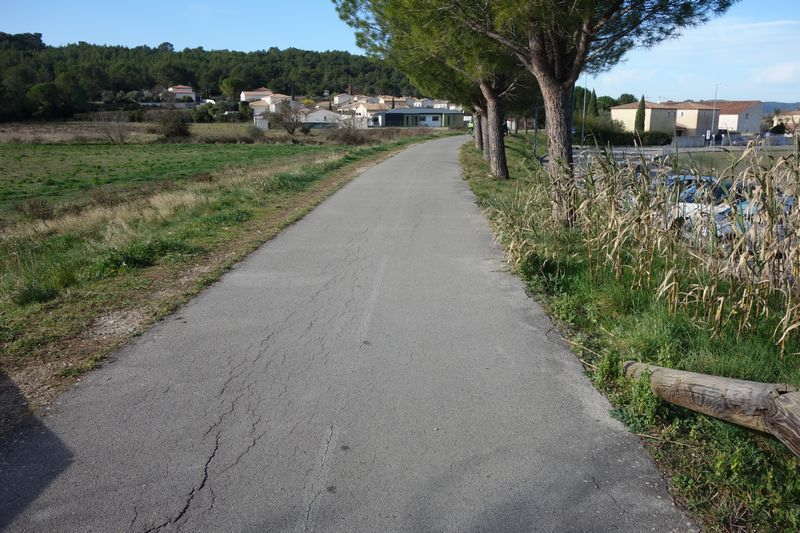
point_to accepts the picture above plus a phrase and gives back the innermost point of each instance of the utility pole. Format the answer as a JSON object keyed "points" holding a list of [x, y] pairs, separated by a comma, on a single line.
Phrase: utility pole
{"points": [[714, 125], [583, 122]]}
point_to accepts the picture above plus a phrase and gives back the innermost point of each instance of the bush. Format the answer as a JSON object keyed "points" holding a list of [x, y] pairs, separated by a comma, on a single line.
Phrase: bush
{"points": [[173, 125], [604, 131], [348, 135], [136, 115], [254, 133], [34, 292], [656, 138], [139, 254]]}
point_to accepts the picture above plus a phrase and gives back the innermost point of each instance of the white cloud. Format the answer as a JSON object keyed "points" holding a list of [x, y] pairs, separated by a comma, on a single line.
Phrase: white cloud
{"points": [[732, 56], [781, 73]]}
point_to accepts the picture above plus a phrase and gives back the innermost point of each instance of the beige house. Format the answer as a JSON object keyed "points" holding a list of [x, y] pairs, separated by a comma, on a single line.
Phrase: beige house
{"points": [[790, 119], [694, 118], [255, 94], [657, 117], [740, 116], [182, 92]]}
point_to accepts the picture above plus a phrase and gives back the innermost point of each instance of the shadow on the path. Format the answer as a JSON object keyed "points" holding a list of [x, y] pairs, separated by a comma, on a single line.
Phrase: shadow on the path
{"points": [[31, 456]]}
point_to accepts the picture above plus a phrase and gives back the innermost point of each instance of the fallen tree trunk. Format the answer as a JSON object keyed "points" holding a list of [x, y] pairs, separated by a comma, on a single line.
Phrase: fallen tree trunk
{"points": [[769, 407]]}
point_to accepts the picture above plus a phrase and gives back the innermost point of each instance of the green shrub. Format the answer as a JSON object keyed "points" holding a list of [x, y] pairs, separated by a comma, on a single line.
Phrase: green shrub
{"points": [[34, 292], [656, 138], [139, 254], [173, 125]]}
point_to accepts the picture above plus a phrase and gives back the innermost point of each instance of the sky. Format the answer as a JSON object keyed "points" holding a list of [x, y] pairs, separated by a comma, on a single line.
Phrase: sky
{"points": [[748, 53]]}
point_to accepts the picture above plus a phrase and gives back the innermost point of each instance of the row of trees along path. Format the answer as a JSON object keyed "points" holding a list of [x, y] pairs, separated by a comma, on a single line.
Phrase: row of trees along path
{"points": [[493, 56]]}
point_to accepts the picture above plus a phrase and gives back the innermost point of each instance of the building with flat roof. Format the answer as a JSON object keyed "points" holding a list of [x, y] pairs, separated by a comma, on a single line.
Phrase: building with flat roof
{"points": [[427, 117]]}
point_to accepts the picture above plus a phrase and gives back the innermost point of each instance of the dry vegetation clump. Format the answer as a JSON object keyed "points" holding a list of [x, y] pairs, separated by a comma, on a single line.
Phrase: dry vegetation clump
{"points": [[726, 250]]}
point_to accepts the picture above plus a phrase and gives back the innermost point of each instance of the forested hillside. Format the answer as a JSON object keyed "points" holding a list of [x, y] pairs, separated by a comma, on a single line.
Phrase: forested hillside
{"points": [[43, 81]]}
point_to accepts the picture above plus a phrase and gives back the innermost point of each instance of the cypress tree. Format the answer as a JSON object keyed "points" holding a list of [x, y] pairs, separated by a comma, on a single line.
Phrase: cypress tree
{"points": [[593, 110], [639, 124]]}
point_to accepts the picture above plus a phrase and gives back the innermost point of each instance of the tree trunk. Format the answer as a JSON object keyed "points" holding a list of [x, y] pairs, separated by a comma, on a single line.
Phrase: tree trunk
{"points": [[769, 407], [558, 124], [557, 99], [477, 123], [493, 135], [484, 139]]}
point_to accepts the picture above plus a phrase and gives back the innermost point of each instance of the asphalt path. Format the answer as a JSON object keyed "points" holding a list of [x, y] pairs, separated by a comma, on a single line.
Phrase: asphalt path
{"points": [[373, 368]]}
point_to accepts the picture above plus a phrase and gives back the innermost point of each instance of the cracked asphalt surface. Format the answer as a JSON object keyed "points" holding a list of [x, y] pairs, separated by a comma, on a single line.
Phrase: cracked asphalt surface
{"points": [[373, 368]]}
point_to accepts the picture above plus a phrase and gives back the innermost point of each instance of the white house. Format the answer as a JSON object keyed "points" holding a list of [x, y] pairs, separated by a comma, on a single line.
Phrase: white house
{"points": [[322, 118], [741, 116], [423, 102], [181, 92], [341, 99], [255, 94], [441, 104], [371, 112]]}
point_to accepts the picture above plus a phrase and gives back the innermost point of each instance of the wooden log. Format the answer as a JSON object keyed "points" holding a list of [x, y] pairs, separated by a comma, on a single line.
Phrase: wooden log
{"points": [[773, 408]]}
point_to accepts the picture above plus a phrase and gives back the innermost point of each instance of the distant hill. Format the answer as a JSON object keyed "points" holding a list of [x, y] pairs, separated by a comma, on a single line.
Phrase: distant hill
{"points": [[770, 107], [43, 81]]}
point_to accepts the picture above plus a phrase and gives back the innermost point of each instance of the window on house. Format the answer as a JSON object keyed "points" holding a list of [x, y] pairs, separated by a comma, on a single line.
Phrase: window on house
{"points": [[747, 115], [435, 118]]}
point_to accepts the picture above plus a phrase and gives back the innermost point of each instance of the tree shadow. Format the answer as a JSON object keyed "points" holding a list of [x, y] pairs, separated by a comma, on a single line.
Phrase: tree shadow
{"points": [[31, 456]]}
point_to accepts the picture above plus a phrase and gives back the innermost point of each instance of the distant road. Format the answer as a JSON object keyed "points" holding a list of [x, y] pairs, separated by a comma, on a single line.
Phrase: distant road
{"points": [[373, 368]]}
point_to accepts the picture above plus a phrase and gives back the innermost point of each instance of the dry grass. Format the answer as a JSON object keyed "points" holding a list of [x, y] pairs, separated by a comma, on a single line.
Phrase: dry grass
{"points": [[728, 260], [74, 132]]}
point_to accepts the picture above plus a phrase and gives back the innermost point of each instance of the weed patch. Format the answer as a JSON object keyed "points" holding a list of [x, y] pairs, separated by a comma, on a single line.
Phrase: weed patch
{"points": [[608, 301]]}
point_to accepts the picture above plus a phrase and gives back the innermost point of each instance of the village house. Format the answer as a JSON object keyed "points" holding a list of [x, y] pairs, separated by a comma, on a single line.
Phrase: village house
{"points": [[422, 117], [322, 118], [393, 102], [370, 112], [423, 102], [790, 119], [182, 92], [440, 104], [693, 118], [657, 117], [255, 94], [740, 116], [342, 99]]}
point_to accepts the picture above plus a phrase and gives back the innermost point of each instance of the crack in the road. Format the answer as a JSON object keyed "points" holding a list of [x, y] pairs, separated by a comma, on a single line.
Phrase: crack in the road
{"points": [[194, 491], [318, 493]]}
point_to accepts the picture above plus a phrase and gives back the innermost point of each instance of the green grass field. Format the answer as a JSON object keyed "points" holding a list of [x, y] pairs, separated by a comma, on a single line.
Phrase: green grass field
{"points": [[61, 173]]}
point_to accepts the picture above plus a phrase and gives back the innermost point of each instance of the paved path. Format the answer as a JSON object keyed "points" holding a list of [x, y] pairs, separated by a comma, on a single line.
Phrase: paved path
{"points": [[373, 368]]}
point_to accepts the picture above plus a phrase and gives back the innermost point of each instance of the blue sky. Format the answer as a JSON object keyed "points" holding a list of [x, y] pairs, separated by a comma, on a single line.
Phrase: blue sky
{"points": [[750, 52]]}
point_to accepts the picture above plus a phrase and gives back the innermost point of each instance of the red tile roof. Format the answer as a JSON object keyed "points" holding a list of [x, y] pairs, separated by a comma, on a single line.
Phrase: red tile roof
{"points": [[647, 105], [735, 107], [691, 105]]}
